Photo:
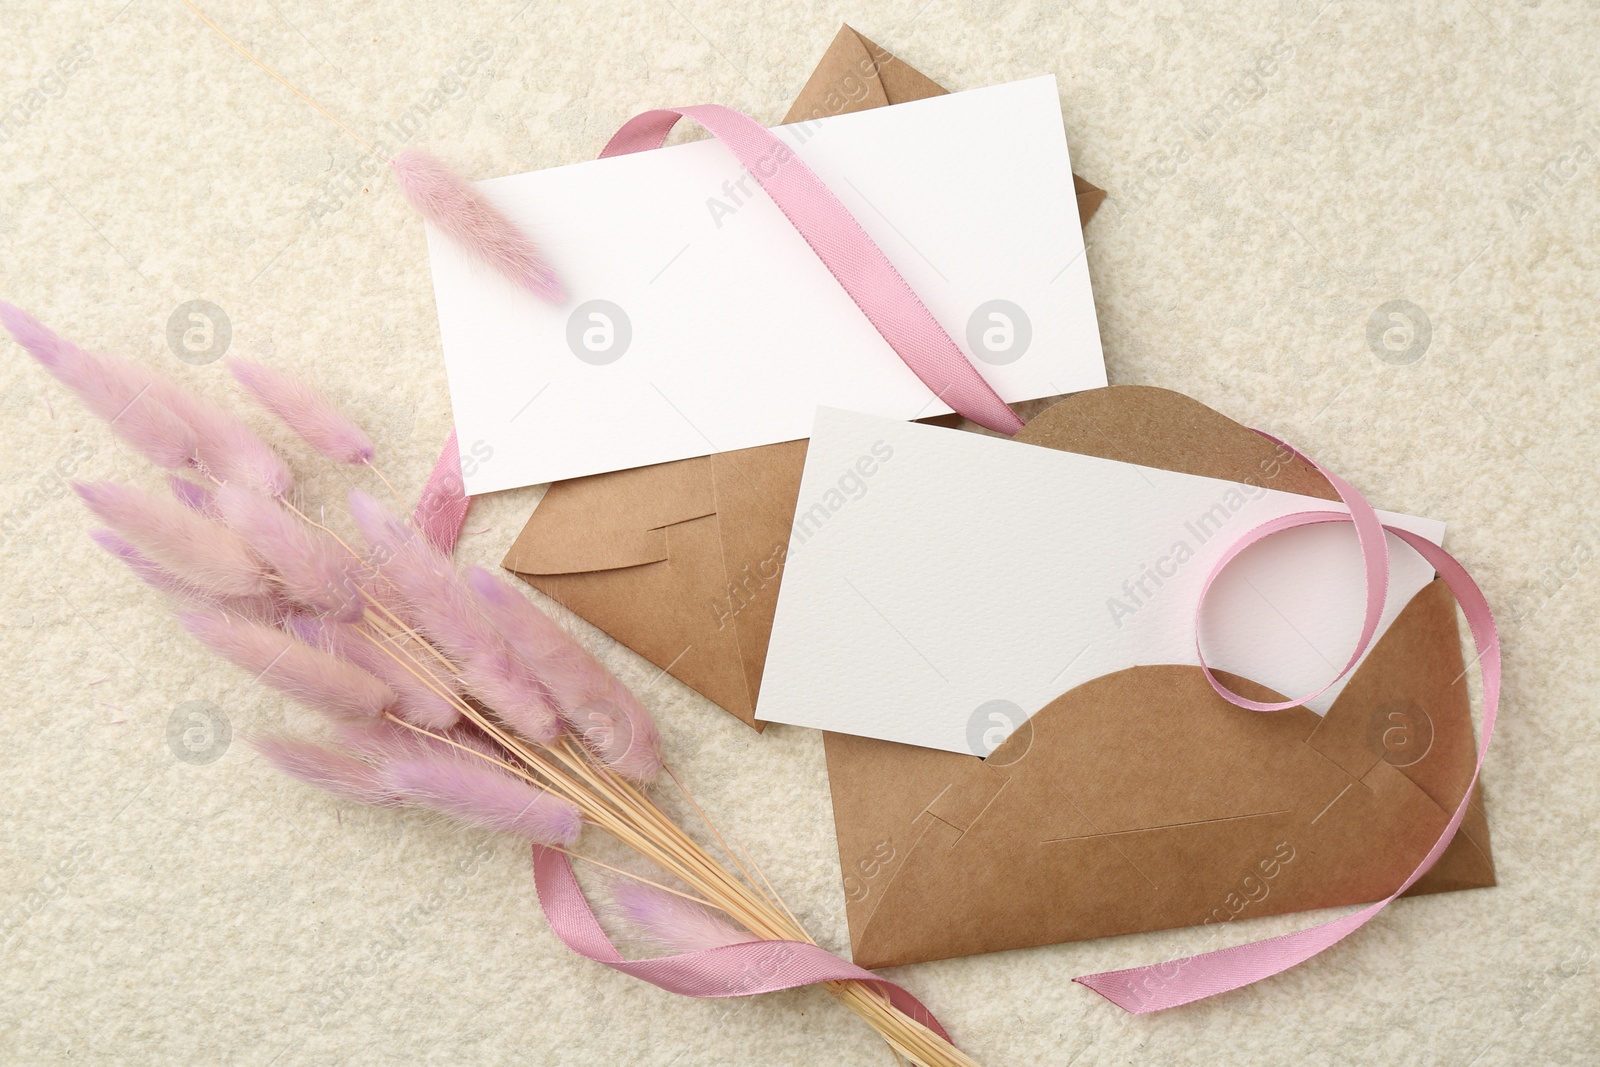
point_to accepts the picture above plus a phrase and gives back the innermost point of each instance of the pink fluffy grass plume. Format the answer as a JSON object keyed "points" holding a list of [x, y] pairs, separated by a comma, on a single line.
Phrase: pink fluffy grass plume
{"points": [[114, 390], [311, 566], [305, 411], [608, 717], [209, 557], [458, 208], [479, 793], [438, 603], [316, 679], [673, 922], [424, 696], [324, 768]]}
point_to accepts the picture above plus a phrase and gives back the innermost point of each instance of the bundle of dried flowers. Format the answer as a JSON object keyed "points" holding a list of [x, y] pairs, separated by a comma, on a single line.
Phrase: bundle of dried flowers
{"points": [[445, 690]]}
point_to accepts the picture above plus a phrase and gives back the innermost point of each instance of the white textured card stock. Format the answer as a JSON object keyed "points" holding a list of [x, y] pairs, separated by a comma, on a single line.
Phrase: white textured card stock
{"points": [[698, 320], [932, 573]]}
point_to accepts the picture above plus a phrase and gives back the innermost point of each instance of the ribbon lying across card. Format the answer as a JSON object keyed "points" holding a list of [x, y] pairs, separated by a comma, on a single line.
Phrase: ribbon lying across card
{"points": [[707, 312]]}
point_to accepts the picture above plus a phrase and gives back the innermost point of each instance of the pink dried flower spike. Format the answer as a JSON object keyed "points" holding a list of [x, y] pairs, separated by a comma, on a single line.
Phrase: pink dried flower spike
{"points": [[475, 792], [678, 924], [264, 606], [312, 567], [229, 450], [326, 769], [438, 603], [117, 391], [315, 678], [457, 207], [210, 557], [193, 496], [422, 691], [601, 709], [305, 411]]}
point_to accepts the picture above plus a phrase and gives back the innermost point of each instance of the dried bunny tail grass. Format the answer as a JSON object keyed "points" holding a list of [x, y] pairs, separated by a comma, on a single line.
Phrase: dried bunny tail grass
{"points": [[228, 451], [315, 678], [264, 608], [458, 208], [598, 707], [572, 674], [438, 603], [312, 567], [115, 390], [305, 411], [678, 924], [620, 733], [422, 692], [194, 496], [474, 792], [210, 557], [143, 567], [327, 769], [383, 740]]}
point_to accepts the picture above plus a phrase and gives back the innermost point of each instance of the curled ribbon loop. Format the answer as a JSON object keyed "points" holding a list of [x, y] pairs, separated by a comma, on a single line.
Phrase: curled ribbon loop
{"points": [[1374, 561], [1155, 987]]}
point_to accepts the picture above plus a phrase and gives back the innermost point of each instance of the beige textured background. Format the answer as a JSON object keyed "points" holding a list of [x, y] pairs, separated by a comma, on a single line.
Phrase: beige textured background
{"points": [[158, 910]]}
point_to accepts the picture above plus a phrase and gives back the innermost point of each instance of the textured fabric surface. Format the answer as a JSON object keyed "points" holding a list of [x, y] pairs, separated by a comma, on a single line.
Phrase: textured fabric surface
{"points": [[1368, 229]]}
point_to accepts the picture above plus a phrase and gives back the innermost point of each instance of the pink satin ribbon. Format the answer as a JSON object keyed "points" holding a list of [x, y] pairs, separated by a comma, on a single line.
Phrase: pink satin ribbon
{"points": [[844, 248], [910, 329], [1374, 562], [730, 971], [1155, 987], [442, 509]]}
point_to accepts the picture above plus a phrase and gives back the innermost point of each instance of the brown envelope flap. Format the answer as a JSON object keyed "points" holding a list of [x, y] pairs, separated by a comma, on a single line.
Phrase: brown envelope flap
{"points": [[677, 561], [1141, 800], [1160, 428], [900, 809], [617, 519], [756, 489], [856, 74]]}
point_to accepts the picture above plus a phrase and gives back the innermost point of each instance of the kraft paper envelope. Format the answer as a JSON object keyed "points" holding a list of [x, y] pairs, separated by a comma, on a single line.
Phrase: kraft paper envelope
{"points": [[1204, 812], [856, 74], [679, 560], [1141, 800]]}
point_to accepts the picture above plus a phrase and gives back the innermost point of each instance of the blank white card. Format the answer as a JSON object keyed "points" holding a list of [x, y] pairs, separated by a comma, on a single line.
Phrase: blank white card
{"points": [[698, 320]]}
